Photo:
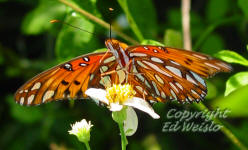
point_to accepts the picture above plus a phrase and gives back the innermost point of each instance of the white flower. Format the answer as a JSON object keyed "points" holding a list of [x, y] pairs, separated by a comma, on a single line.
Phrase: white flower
{"points": [[81, 130], [118, 96]]}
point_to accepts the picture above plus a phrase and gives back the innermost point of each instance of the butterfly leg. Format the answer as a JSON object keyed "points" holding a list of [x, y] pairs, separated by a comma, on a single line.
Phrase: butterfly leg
{"points": [[144, 97], [110, 72], [104, 56], [129, 68]]}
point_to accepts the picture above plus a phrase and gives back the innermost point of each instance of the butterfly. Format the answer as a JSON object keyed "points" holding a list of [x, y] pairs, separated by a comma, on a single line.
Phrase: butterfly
{"points": [[156, 73]]}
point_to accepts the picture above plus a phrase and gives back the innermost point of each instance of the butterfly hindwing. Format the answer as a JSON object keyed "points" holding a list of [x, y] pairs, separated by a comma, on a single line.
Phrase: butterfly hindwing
{"points": [[168, 73]]}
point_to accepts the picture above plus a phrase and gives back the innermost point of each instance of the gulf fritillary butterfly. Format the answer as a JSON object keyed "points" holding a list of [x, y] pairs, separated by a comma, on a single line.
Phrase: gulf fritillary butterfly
{"points": [[156, 73]]}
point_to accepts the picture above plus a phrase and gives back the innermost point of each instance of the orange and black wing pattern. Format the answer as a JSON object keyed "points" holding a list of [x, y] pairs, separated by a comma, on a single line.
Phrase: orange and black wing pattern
{"points": [[162, 73], [69, 80]]}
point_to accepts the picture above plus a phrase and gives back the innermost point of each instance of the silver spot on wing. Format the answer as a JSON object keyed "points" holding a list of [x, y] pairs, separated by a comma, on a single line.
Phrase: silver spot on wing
{"points": [[156, 88], [174, 70], [142, 65], [30, 99], [174, 62], [155, 59], [211, 65], [198, 78], [36, 86], [22, 100], [103, 69], [138, 54], [179, 85], [163, 95], [173, 86], [157, 68], [199, 56], [173, 94], [110, 59], [159, 79], [190, 79], [47, 95]]}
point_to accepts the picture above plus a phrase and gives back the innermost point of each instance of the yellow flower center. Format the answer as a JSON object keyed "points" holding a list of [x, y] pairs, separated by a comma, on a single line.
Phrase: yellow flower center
{"points": [[119, 93]]}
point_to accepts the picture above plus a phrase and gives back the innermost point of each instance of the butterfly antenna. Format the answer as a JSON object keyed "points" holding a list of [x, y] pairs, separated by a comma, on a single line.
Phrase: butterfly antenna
{"points": [[58, 21], [110, 25], [110, 31]]}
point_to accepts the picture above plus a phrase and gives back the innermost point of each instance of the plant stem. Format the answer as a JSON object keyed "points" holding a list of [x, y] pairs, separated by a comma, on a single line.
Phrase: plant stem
{"points": [[186, 24], [123, 137], [87, 145], [224, 129], [99, 21]]}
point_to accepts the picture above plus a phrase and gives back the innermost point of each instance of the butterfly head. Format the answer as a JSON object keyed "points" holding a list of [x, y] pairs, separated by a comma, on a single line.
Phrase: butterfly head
{"points": [[118, 48], [115, 44]]}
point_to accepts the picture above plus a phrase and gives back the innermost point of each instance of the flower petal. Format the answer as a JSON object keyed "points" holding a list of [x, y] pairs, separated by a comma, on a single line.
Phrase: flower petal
{"points": [[142, 105], [115, 107], [97, 95], [131, 122]]}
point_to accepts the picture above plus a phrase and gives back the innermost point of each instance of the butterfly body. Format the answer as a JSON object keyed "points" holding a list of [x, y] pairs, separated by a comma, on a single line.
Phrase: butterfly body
{"points": [[156, 73]]}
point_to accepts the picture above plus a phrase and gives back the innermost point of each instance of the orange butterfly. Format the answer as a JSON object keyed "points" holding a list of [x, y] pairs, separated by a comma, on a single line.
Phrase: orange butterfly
{"points": [[156, 73]]}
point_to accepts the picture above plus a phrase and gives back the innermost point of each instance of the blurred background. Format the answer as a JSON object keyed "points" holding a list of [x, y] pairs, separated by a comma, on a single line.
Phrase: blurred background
{"points": [[29, 44]]}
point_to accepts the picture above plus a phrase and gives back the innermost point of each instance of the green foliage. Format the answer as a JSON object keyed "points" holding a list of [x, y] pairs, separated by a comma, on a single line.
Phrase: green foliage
{"points": [[173, 38], [212, 44], [243, 4], [143, 27], [212, 90], [236, 102], [37, 21], [23, 114], [70, 43], [214, 13], [232, 57], [101, 50], [151, 42], [236, 81]]}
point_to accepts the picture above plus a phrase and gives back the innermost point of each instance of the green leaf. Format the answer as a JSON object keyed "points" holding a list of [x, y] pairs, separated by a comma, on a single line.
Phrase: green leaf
{"points": [[23, 114], [101, 50], [212, 90], [174, 18], [243, 4], [232, 57], [72, 42], [212, 44], [173, 38], [89, 6], [236, 102], [141, 17], [151, 42], [37, 21], [214, 12], [236, 81]]}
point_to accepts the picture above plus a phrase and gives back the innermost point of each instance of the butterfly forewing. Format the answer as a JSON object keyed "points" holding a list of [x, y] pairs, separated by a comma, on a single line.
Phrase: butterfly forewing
{"points": [[66, 81]]}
